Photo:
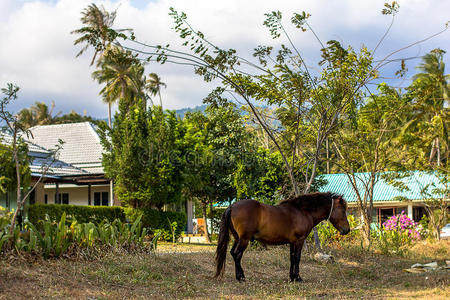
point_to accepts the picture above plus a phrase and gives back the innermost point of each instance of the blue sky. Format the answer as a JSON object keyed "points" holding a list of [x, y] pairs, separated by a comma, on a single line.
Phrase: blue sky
{"points": [[37, 52]]}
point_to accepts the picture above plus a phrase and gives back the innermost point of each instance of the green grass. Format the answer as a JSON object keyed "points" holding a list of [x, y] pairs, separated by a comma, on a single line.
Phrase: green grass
{"points": [[171, 275]]}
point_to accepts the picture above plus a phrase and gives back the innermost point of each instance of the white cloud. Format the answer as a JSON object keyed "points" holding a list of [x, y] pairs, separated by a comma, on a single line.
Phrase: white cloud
{"points": [[37, 52]]}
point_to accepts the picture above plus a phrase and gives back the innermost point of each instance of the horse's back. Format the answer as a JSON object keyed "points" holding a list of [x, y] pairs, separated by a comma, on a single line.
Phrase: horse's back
{"points": [[267, 223]]}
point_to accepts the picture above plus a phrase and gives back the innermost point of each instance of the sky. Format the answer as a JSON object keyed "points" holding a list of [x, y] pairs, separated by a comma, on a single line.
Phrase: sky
{"points": [[38, 55]]}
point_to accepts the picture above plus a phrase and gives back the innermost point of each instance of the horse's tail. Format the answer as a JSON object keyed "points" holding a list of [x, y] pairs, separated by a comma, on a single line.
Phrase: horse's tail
{"points": [[224, 238]]}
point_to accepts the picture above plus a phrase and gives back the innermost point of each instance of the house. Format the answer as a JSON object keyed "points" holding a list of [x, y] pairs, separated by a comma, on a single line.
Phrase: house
{"points": [[389, 200], [76, 176]]}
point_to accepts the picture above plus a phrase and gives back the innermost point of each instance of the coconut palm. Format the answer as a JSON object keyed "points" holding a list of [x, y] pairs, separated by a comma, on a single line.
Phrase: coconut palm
{"points": [[430, 100], [122, 74], [97, 31], [154, 84], [37, 114]]}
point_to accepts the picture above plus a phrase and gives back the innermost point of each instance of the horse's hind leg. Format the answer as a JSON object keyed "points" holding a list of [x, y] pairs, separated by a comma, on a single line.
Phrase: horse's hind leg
{"points": [[237, 251]]}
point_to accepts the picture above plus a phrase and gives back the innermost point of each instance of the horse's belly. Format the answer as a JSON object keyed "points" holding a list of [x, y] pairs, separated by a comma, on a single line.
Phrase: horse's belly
{"points": [[271, 240]]}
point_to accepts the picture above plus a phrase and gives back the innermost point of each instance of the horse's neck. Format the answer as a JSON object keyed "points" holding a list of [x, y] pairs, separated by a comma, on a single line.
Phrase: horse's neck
{"points": [[319, 215]]}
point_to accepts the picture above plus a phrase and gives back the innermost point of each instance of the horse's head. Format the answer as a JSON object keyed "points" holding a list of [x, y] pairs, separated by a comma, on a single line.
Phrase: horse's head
{"points": [[338, 215]]}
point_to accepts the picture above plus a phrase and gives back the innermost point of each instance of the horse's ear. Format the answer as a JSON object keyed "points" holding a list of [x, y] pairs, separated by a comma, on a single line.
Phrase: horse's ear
{"points": [[341, 200]]}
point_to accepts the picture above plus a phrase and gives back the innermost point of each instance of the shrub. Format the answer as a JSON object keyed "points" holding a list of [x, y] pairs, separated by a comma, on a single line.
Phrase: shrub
{"points": [[151, 218], [82, 214], [162, 220], [327, 232], [55, 239], [5, 220], [396, 234]]}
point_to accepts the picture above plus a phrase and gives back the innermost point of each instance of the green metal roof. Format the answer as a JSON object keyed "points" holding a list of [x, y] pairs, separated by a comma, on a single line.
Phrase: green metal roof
{"points": [[416, 182]]}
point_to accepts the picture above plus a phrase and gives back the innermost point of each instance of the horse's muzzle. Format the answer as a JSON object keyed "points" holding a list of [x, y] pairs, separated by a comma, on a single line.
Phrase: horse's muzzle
{"points": [[345, 231]]}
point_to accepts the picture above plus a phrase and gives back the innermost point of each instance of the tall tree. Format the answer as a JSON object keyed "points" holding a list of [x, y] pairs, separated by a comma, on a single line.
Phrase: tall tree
{"points": [[122, 74], [367, 148], [37, 114], [97, 31], [428, 113], [18, 152], [143, 157], [154, 84], [219, 146]]}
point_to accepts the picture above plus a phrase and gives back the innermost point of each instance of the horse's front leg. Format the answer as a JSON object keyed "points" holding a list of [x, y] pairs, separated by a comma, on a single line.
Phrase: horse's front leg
{"points": [[296, 253]]}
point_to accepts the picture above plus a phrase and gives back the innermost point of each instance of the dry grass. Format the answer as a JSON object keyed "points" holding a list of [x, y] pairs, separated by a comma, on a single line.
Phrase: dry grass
{"points": [[170, 275]]}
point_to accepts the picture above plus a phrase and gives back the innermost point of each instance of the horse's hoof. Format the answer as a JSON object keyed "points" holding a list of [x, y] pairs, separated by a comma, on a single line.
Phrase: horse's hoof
{"points": [[296, 279]]}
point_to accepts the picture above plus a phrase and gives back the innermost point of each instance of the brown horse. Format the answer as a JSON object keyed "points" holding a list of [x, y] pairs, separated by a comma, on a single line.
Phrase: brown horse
{"points": [[289, 222]]}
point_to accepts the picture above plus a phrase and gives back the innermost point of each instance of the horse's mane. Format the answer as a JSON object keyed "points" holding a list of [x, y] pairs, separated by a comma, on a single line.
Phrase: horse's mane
{"points": [[311, 201]]}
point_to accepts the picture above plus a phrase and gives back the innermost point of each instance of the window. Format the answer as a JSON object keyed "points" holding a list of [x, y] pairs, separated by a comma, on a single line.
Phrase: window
{"points": [[63, 198], [46, 199], [101, 198]]}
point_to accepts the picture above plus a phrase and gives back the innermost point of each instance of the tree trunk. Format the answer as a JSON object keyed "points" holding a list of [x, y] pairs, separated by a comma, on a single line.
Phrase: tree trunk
{"points": [[433, 151], [438, 153], [160, 99], [328, 157], [211, 216], [208, 237], [109, 115], [366, 231], [19, 194]]}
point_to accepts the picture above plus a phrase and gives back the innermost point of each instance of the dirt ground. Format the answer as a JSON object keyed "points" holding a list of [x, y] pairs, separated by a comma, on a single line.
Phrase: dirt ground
{"points": [[186, 271]]}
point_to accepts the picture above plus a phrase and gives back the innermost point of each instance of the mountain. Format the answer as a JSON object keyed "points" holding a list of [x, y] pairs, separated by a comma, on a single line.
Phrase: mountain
{"points": [[182, 112]]}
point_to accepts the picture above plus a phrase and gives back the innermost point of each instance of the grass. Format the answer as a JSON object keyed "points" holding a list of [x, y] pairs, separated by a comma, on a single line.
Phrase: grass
{"points": [[185, 271]]}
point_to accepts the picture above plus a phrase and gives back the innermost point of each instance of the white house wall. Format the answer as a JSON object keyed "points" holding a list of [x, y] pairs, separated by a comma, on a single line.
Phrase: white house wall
{"points": [[78, 195]]}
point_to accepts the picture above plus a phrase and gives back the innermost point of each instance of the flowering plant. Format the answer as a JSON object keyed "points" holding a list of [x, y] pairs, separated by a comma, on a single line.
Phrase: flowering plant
{"points": [[397, 233], [403, 224]]}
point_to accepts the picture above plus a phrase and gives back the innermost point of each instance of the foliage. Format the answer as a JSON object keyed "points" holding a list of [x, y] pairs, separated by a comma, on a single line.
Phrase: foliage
{"points": [[5, 220], [151, 219], [424, 133], [161, 223], [18, 152], [121, 72], [82, 214], [143, 156], [221, 164], [367, 147], [97, 30], [402, 223], [55, 239], [397, 234], [327, 232], [8, 179], [39, 114]]}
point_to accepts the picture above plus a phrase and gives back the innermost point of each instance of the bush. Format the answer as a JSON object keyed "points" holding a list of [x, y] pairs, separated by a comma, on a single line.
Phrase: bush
{"points": [[397, 234], [83, 214], [54, 239], [327, 232], [162, 220], [151, 218]]}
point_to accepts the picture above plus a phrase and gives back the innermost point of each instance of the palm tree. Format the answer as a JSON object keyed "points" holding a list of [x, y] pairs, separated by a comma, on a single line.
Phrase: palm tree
{"points": [[430, 94], [154, 84], [37, 114], [122, 74], [97, 31]]}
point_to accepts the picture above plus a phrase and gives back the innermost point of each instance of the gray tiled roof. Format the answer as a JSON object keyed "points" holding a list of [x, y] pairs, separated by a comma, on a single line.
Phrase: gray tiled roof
{"points": [[81, 146], [41, 157]]}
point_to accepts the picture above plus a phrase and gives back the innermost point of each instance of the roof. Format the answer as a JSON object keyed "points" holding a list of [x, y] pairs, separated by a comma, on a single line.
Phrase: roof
{"points": [[81, 147], [41, 157], [384, 191]]}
